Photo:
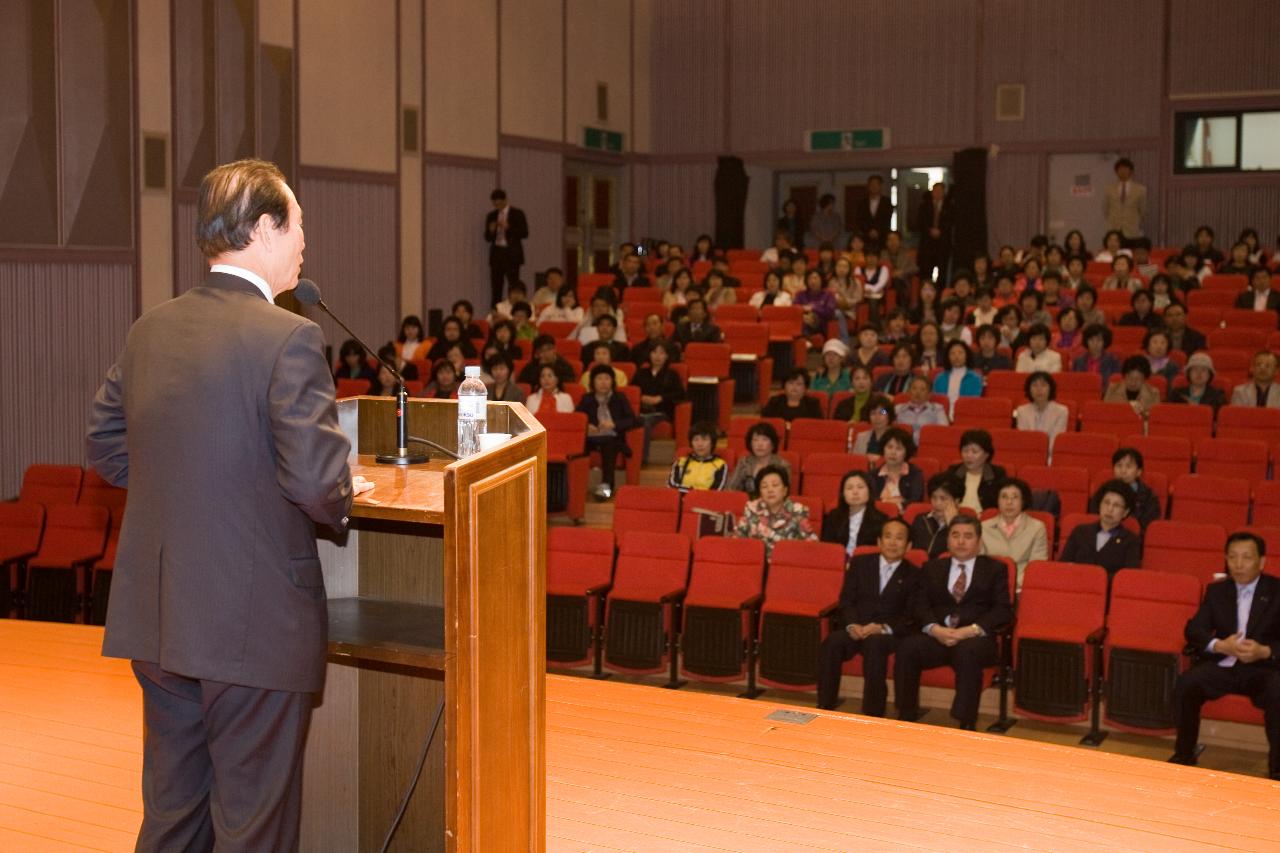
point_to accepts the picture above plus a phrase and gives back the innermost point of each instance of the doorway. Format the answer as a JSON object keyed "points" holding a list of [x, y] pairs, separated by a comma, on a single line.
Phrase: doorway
{"points": [[592, 201], [907, 188], [1077, 193]]}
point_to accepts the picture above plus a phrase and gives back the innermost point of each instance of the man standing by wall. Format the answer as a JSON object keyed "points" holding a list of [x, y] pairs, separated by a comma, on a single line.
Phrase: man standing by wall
{"points": [[933, 224], [1126, 202], [219, 418], [505, 230]]}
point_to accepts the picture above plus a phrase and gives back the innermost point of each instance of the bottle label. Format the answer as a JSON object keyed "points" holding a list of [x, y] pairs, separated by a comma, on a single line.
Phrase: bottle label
{"points": [[472, 408]]}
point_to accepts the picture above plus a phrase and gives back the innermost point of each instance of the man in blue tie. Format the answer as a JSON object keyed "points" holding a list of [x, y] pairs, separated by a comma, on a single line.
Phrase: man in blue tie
{"points": [[1237, 632]]}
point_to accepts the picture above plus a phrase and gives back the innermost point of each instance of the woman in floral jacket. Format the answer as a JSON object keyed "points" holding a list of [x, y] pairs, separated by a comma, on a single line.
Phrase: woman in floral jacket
{"points": [[773, 517]]}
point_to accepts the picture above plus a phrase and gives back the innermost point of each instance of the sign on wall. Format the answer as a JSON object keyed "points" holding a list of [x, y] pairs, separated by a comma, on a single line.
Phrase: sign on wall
{"points": [[602, 140], [862, 139]]}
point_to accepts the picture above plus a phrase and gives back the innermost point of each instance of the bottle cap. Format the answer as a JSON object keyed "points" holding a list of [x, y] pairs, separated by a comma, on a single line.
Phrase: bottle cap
{"points": [[471, 370]]}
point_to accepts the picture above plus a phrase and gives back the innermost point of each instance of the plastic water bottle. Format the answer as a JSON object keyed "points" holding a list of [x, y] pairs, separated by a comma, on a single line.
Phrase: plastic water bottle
{"points": [[473, 400]]}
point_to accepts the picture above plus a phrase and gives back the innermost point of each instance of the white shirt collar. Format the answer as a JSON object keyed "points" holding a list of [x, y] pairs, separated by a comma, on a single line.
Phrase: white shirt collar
{"points": [[248, 275]]}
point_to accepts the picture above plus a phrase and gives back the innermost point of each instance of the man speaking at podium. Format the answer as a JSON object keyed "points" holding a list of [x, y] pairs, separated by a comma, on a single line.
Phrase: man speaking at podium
{"points": [[219, 417]]}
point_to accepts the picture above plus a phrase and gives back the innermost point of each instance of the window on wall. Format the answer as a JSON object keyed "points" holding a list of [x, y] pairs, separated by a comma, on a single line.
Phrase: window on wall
{"points": [[1227, 141]]}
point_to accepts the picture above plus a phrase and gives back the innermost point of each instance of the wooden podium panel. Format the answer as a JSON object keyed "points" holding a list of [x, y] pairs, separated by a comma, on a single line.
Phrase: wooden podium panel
{"points": [[436, 595]]}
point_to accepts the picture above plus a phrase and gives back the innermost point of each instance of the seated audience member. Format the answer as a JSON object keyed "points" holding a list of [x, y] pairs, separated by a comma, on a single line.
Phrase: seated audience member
{"points": [[451, 334], [976, 472], [630, 273], [604, 303], [383, 383], [465, 312], [1162, 292], [700, 468], [352, 363], [1009, 325], [963, 602], [1262, 392], [696, 327], [1184, 280], [854, 521], [876, 600], [1004, 295], [919, 411], [409, 343], [680, 289], [878, 412], [952, 322], [868, 353], [1126, 466], [1259, 296], [1142, 265], [926, 308], [1181, 336], [895, 329], [653, 336], [850, 408], [1202, 250], [1073, 279], [660, 390], [1106, 542], [772, 292], [600, 353], [988, 357], [609, 416], [794, 401], [773, 517], [959, 379], [566, 308], [963, 289], [1155, 346], [897, 480], [1133, 387], [444, 381], [547, 395], [1031, 302], [703, 249], [545, 294], [1037, 356], [1236, 633], [606, 333], [1042, 412], [928, 342], [874, 278], [819, 304], [716, 290], [1122, 277], [408, 370], [1011, 532], [929, 530], [502, 388], [833, 376], [522, 319], [545, 353], [1096, 358], [1237, 262], [784, 241], [458, 359], [1069, 337], [1112, 242], [516, 292], [793, 274], [1142, 313], [1199, 388], [1087, 305], [502, 341], [762, 443], [898, 379], [984, 311], [1056, 297]]}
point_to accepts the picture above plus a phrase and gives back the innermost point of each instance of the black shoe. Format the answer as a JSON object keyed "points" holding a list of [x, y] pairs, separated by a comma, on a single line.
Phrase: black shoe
{"points": [[969, 727], [1183, 760]]}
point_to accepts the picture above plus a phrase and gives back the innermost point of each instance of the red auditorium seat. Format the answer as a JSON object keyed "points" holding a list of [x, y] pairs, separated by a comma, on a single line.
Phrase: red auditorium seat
{"points": [[1081, 387], [1020, 447], [822, 473], [816, 506], [642, 616], [740, 425], [711, 362], [1143, 650], [736, 313], [1266, 502], [750, 364], [1008, 384], [653, 509], [727, 501], [802, 591], [1185, 548], [1236, 338], [1071, 484], [51, 484], [352, 388], [1084, 450], [989, 413], [722, 611], [567, 463], [1232, 709], [1202, 298], [1176, 419], [96, 491], [579, 573], [557, 329], [1118, 419], [1210, 500], [1164, 454], [1270, 534], [1061, 612], [786, 345], [21, 526], [1244, 318], [809, 435], [57, 576], [1241, 458], [1232, 283], [942, 443], [1249, 422]]}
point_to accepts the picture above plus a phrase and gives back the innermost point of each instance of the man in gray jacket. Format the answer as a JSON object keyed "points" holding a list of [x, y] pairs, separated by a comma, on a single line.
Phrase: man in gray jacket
{"points": [[219, 418]]}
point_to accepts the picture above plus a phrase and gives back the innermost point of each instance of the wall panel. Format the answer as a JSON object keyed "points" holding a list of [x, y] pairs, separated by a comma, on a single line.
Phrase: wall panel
{"points": [[351, 254], [1227, 210], [189, 265], [1014, 198], [456, 265], [534, 181], [61, 326], [598, 50], [1235, 54], [682, 201], [1088, 80], [462, 78], [687, 64], [532, 73]]}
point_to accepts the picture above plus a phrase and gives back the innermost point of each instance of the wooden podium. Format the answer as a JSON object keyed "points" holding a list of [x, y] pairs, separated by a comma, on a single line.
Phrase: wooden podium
{"points": [[436, 593]]}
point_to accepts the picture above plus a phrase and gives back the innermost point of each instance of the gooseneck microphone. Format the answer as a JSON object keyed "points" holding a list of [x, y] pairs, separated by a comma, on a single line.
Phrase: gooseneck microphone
{"points": [[308, 293]]}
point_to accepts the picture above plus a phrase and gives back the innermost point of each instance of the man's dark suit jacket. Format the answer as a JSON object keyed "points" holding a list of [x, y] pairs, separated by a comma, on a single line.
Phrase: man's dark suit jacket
{"points": [[862, 602], [517, 233], [1193, 340], [1122, 551], [1216, 619], [219, 418], [1245, 300], [835, 526], [985, 602], [707, 333], [924, 221], [864, 222]]}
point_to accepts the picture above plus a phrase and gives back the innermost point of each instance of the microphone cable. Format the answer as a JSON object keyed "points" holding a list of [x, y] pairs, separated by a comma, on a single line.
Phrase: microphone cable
{"points": [[413, 782]]}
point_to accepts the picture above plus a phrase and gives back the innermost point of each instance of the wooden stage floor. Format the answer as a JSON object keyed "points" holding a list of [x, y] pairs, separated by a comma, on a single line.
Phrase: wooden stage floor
{"points": [[633, 767]]}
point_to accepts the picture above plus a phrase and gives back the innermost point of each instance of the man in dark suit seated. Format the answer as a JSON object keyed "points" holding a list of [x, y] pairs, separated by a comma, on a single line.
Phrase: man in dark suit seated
{"points": [[696, 328], [875, 606], [962, 602], [1106, 542], [1259, 296], [1236, 631]]}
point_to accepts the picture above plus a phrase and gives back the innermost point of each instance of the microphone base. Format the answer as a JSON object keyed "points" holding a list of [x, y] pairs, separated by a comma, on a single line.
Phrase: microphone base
{"points": [[401, 457]]}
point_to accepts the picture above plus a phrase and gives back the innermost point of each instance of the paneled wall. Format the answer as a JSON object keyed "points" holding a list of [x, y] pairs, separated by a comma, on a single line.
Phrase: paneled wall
{"points": [[1014, 198], [61, 326], [457, 256], [688, 56], [1223, 48], [681, 201], [1227, 211], [534, 181]]}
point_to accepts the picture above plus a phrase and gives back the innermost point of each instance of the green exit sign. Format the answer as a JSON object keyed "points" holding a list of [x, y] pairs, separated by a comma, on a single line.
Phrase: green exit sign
{"points": [[865, 139], [602, 140]]}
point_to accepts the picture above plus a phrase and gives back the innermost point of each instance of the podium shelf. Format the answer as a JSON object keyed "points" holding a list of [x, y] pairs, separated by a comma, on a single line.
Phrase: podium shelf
{"points": [[392, 632]]}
